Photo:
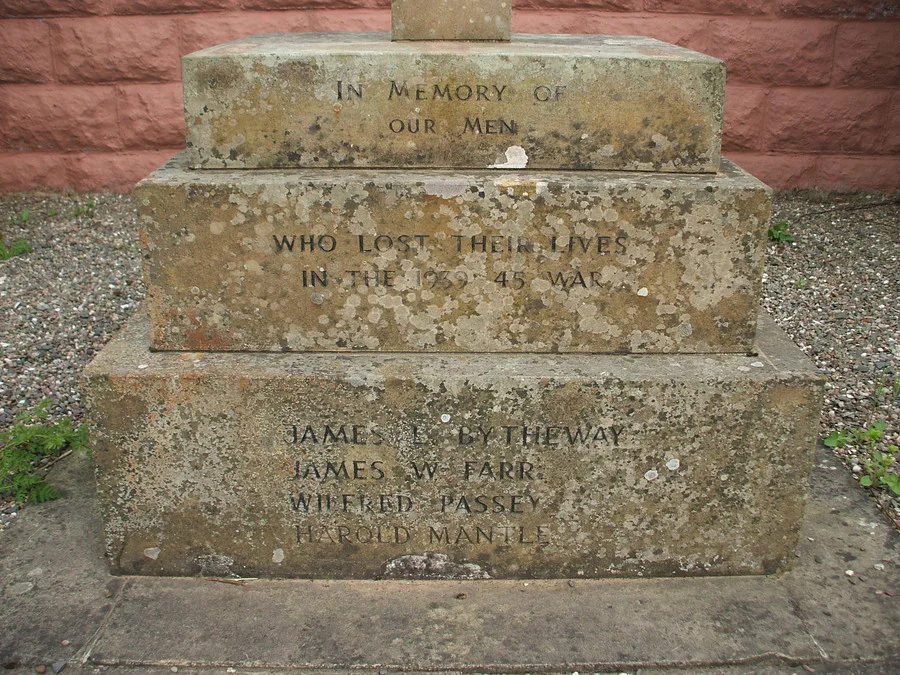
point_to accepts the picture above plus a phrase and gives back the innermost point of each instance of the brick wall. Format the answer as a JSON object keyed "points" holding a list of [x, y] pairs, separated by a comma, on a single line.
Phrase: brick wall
{"points": [[90, 95]]}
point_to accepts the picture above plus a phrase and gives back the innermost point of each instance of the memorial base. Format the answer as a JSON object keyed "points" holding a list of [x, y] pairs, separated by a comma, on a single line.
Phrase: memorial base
{"points": [[331, 465]]}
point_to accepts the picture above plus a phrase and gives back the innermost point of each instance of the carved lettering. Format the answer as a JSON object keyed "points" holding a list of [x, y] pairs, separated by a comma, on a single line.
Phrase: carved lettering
{"points": [[472, 504], [446, 92], [493, 243], [440, 279], [502, 470], [347, 534], [544, 93], [314, 278], [593, 244], [344, 470], [426, 470], [513, 280], [370, 278], [500, 534], [403, 243], [476, 434], [347, 90], [413, 125], [489, 126], [398, 91], [351, 503], [554, 435], [305, 242], [357, 434]]}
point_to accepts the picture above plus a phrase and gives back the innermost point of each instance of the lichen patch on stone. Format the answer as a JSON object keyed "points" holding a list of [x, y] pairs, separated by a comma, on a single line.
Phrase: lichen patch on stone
{"points": [[516, 158], [432, 566]]}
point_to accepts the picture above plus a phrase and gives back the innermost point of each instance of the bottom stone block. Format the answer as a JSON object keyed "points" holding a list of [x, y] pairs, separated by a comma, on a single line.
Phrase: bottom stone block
{"points": [[451, 466]]}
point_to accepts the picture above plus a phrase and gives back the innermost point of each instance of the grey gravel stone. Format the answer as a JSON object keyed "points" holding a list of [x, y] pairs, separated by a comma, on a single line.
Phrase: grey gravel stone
{"points": [[835, 292], [60, 303]]}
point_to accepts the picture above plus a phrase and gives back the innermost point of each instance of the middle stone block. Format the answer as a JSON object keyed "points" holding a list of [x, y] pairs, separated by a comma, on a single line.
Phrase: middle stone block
{"points": [[448, 261]]}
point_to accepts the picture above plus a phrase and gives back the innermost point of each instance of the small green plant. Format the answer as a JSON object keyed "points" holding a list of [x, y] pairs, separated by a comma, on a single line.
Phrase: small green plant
{"points": [[870, 436], [21, 217], [17, 246], [27, 450], [51, 212], [86, 210], [885, 387], [879, 467], [14, 248], [781, 232], [837, 439]]}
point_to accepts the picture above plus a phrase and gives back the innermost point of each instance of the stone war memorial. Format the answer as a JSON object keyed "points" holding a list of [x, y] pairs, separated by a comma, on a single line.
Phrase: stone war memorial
{"points": [[452, 303]]}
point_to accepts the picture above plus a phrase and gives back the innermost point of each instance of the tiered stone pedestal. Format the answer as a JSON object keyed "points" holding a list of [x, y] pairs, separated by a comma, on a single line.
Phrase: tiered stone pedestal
{"points": [[510, 465], [524, 372]]}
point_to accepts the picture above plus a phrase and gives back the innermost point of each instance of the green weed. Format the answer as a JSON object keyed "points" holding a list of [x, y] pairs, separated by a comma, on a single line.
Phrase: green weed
{"points": [[879, 470], [86, 210], [887, 389], [879, 467], [27, 450], [837, 439], [781, 232], [21, 217], [16, 247]]}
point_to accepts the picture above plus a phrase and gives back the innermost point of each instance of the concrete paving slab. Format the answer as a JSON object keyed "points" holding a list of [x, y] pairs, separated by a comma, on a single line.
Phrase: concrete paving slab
{"points": [[843, 533], [813, 616], [501, 627], [53, 578]]}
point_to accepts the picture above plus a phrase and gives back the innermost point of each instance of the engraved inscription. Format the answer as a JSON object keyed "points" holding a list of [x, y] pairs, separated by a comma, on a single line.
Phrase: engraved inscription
{"points": [[447, 92], [552, 251], [499, 126], [468, 497], [346, 90], [352, 534], [500, 534]]}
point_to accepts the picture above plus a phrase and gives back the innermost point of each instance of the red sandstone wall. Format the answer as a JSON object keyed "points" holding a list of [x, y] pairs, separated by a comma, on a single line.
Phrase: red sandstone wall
{"points": [[90, 95]]}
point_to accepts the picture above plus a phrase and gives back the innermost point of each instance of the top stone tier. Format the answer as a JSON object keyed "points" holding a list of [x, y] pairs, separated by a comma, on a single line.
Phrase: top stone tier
{"points": [[359, 100]]}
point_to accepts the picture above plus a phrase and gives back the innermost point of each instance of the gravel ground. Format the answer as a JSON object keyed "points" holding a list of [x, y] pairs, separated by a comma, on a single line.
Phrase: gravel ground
{"points": [[835, 291]]}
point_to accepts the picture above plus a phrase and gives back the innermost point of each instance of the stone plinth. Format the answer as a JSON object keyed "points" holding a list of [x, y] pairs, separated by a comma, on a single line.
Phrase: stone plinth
{"points": [[545, 102], [451, 19], [500, 465], [443, 261]]}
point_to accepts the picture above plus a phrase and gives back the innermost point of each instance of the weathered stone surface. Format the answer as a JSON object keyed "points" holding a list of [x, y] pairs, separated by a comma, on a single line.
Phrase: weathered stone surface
{"points": [[451, 19], [500, 465], [439, 261], [546, 102]]}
